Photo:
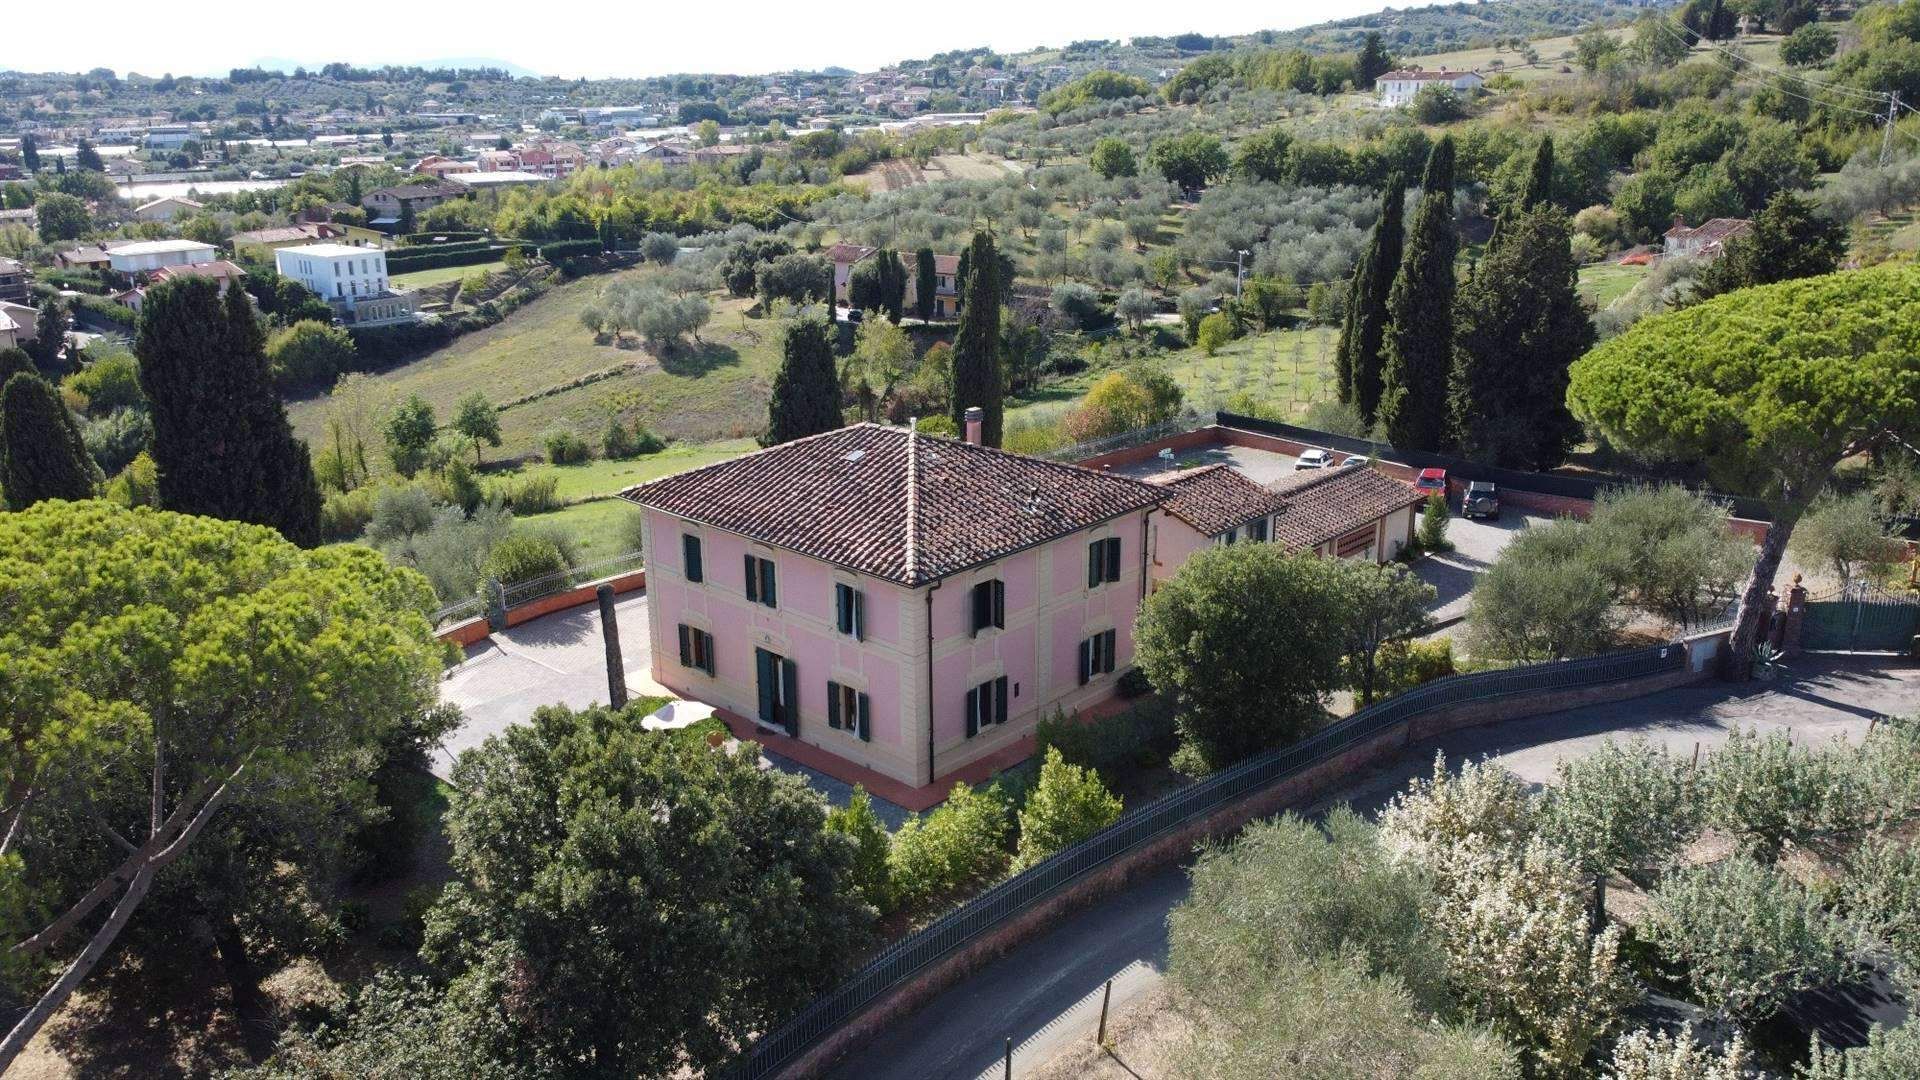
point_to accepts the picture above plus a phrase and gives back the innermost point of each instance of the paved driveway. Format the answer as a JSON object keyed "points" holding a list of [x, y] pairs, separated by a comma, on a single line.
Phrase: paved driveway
{"points": [[1047, 992], [1476, 544]]}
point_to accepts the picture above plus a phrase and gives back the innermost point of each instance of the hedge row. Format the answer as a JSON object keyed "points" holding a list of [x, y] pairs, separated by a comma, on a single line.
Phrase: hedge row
{"points": [[561, 250], [106, 309], [445, 255], [425, 239]]}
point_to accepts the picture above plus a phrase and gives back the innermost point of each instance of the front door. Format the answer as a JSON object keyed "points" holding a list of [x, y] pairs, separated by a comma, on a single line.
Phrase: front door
{"points": [[778, 679]]}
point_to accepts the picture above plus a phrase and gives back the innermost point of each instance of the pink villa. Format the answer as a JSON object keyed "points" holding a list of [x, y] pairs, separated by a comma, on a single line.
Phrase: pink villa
{"points": [[912, 605]]}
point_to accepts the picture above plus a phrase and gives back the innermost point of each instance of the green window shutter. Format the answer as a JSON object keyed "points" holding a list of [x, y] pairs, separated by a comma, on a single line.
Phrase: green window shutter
{"points": [[790, 696], [753, 580], [769, 595], [1113, 559], [690, 558], [982, 608], [973, 713], [1095, 563], [842, 615], [865, 729], [833, 704], [999, 603], [1086, 661], [686, 645], [1106, 652], [1000, 700], [767, 679], [859, 616]]}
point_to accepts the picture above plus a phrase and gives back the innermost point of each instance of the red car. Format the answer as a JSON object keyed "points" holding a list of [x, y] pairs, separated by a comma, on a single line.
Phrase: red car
{"points": [[1432, 482]]}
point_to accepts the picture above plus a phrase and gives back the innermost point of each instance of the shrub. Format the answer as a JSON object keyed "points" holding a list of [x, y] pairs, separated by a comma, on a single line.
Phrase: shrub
{"points": [[858, 821], [1141, 736], [616, 443], [959, 846], [1434, 520], [1068, 805], [566, 448], [1335, 418], [1078, 304], [562, 250], [1543, 598], [1403, 665], [1216, 330], [524, 556], [939, 424], [345, 514]]}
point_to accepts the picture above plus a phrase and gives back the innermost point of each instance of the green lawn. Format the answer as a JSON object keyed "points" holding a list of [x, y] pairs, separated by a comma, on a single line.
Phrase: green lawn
{"points": [[1602, 283], [602, 529], [548, 372], [598, 478], [421, 278]]}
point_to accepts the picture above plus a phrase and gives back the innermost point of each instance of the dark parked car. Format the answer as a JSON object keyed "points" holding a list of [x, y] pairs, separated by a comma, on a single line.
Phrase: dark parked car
{"points": [[1482, 500]]}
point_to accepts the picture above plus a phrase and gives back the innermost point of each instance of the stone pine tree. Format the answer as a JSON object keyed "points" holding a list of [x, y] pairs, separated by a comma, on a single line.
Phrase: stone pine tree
{"points": [[221, 441], [41, 453], [926, 279], [1357, 360], [1417, 353], [1519, 326], [806, 389], [976, 346]]}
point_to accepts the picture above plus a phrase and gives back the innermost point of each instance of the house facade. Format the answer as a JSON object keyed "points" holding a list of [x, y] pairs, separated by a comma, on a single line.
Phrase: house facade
{"points": [[13, 281], [946, 269], [389, 204], [908, 603], [352, 280], [1399, 88], [1348, 513]]}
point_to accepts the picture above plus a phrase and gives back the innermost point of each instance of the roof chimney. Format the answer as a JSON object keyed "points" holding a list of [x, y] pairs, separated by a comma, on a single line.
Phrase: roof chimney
{"points": [[976, 419]]}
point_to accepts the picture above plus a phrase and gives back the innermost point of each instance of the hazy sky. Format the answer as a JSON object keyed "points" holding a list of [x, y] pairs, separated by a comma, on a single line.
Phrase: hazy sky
{"points": [[572, 38]]}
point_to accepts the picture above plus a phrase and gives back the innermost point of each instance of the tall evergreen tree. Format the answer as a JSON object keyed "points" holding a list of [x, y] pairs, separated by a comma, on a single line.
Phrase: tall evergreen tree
{"points": [[806, 389], [1357, 360], [1372, 62], [1539, 189], [221, 441], [1417, 353], [893, 285], [926, 280], [30, 153], [1520, 325], [41, 453], [976, 346]]}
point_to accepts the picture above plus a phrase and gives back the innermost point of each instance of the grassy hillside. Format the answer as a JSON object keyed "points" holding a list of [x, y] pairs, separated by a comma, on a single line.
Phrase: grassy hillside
{"points": [[548, 372]]}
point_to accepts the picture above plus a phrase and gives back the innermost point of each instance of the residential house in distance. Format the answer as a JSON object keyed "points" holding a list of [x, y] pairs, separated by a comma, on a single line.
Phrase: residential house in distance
{"points": [[224, 273], [1705, 241], [497, 161], [388, 205], [352, 280], [946, 268], [148, 255], [445, 167], [20, 215], [85, 257], [1398, 88], [13, 281], [19, 324], [909, 604], [167, 209]]}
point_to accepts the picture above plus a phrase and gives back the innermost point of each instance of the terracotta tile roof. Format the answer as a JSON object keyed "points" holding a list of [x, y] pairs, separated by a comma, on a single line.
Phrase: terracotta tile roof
{"points": [[311, 230], [1712, 231], [1325, 503], [1216, 498], [902, 506], [848, 253]]}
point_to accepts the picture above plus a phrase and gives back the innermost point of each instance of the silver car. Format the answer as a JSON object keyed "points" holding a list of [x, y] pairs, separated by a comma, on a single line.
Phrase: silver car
{"points": [[1314, 459]]}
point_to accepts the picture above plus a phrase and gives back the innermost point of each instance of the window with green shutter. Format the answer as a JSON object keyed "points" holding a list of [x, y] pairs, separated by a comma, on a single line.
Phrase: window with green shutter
{"points": [[760, 582], [989, 605], [850, 611], [1103, 561], [690, 564]]}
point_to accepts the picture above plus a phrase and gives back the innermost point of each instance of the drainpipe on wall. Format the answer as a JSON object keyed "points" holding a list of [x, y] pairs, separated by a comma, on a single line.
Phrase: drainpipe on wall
{"points": [[1146, 533], [930, 592]]}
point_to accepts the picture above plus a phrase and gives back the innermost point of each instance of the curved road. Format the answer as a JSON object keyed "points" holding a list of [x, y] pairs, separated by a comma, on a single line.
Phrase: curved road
{"points": [[1048, 991]]}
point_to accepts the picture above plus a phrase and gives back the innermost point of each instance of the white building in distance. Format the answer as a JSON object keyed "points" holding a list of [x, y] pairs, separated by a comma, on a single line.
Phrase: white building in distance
{"points": [[147, 255], [1398, 88], [352, 280]]}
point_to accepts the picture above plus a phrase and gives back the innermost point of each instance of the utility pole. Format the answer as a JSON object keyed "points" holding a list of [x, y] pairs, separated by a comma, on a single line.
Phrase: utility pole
{"points": [[610, 632], [1240, 271], [1886, 136]]}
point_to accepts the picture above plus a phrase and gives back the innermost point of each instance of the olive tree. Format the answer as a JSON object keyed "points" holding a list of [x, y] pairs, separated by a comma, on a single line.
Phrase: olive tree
{"points": [[1770, 388]]}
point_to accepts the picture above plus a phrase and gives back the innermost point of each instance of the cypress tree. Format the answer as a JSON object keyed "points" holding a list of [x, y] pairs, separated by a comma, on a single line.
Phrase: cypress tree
{"points": [[1357, 360], [13, 361], [926, 280], [893, 286], [1539, 190], [976, 346], [41, 453], [1520, 325], [221, 441], [806, 389], [1417, 354]]}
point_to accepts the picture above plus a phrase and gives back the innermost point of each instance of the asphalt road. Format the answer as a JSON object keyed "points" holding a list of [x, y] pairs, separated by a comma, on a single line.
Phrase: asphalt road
{"points": [[1047, 992]]}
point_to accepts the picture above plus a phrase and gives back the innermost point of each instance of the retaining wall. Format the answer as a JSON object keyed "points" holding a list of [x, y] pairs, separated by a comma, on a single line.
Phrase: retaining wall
{"points": [[473, 631], [1298, 789]]}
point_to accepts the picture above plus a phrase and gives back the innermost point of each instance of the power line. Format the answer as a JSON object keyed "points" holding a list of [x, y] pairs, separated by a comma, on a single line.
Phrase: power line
{"points": [[1817, 84], [1751, 79]]}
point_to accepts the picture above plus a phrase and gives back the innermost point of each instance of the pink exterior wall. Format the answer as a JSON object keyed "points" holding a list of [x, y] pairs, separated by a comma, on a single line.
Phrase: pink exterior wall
{"points": [[1049, 611]]}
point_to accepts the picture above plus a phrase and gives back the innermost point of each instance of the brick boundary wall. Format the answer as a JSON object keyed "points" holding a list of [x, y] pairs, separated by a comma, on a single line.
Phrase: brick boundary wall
{"points": [[1291, 792], [473, 631]]}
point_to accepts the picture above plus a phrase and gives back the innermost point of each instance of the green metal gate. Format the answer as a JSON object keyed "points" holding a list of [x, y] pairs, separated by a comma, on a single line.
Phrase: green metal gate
{"points": [[1862, 617]]}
